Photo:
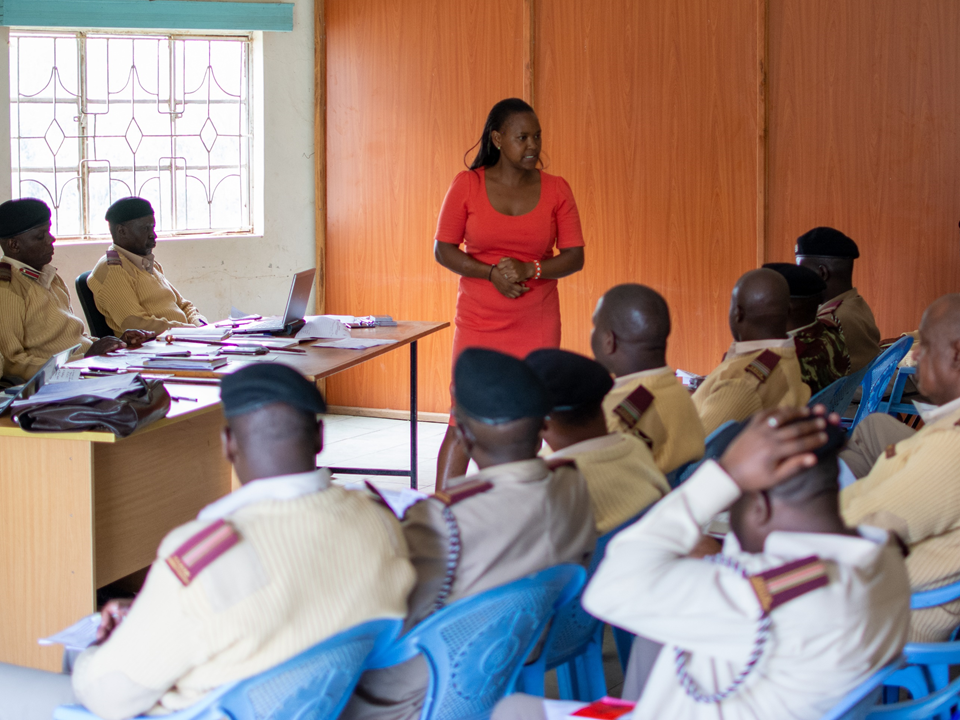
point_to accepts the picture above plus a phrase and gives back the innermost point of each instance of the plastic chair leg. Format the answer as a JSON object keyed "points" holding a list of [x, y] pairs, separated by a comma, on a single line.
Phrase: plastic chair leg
{"points": [[913, 679], [593, 683], [530, 680], [566, 681], [623, 641]]}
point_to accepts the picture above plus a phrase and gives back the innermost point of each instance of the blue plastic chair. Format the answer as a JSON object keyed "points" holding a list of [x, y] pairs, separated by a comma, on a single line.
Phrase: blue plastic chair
{"points": [[838, 395], [714, 446], [475, 647], [859, 701], [894, 405], [942, 703], [315, 684], [879, 372], [574, 644]]}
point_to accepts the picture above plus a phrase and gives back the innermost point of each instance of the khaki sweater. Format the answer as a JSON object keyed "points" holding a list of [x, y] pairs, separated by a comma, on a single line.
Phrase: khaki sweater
{"points": [[36, 319], [744, 383], [670, 425], [304, 569], [133, 294], [914, 491], [621, 475]]}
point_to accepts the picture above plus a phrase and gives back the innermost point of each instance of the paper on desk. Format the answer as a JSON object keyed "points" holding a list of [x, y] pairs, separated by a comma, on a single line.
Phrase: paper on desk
{"points": [[204, 332], [65, 374], [108, 388], [322, 326], [352, 343], [79, 636]]}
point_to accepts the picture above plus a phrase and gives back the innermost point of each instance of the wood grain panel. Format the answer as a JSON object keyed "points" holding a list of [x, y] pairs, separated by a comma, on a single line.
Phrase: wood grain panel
{"points": [[46, 544], [863, 109], [649, 110], [149, 484], [409, 84]]}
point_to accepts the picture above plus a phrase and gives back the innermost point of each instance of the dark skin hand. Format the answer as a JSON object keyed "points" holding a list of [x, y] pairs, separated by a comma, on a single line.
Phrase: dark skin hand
{"points": [[130, 338], [112, 614]]}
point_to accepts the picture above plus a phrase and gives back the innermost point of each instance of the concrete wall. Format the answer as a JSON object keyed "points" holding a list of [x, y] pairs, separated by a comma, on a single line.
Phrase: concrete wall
{"points": [[250, 272]]}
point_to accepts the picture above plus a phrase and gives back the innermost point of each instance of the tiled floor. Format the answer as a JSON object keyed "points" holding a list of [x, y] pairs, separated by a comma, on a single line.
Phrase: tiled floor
{"points": [[374, 442]]}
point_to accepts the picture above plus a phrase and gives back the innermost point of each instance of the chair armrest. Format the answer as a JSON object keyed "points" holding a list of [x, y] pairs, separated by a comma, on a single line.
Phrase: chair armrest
{"points": [[938, 653]]}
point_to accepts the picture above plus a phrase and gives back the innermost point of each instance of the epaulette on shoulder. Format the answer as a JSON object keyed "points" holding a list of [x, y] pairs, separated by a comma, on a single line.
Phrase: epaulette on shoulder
{"points": [[830, 307], [462, 492], [560, 462], [762, 365], [199, 551], [113, 258], [787, 582], [6, 272], [829, 319], [632, 408]]}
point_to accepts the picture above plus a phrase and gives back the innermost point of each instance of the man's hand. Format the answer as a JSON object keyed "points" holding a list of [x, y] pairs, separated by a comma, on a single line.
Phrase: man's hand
{"points": [[706, 545], [105, 345], [774, 446], [514, 271], [136, 338], [506, 288], [112, 614]]}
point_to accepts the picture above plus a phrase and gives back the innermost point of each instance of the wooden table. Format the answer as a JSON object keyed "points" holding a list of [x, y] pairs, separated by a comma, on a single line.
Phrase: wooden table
{"points": [[317, 363], [81, 510]]}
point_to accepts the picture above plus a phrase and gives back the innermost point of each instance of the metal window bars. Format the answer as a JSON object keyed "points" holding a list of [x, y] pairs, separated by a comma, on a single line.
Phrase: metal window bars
{"points": [[96, 117]]}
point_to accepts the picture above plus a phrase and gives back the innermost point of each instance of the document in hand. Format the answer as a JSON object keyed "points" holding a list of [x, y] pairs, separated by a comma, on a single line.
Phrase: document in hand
{"points": [[108, 388], [79, 636]]}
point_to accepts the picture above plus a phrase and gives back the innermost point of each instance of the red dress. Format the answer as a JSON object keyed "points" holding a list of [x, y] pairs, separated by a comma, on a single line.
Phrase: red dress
{"points": [[485, 318]]}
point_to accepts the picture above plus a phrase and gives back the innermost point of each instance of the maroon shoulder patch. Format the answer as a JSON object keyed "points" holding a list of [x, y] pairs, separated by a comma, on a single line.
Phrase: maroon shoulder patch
{"points": [[113, 258], [787, 582], [890, 452], [632, 408], [762, 365], [195, 554], [463, 491], [6, 272]]}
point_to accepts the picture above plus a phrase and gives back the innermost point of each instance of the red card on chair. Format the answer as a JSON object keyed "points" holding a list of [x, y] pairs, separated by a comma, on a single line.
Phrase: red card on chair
{"points": [[606, 708]]}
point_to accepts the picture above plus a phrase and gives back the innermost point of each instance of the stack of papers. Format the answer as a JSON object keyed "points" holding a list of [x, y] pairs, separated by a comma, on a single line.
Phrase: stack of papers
{"points": [[352, 343], [322, 326], [209, 333], [108, 388], [202, 362]]}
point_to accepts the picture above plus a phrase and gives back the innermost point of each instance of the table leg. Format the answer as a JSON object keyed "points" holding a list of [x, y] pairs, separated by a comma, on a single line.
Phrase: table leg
{"points": [[413, 415]]}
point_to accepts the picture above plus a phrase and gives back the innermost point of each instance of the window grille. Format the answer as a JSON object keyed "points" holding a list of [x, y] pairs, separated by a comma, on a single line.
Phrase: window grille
{"points": [[96, 117]]}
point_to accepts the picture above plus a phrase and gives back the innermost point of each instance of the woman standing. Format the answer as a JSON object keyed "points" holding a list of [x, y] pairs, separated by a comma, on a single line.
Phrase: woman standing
{"points": [[509, 215]]}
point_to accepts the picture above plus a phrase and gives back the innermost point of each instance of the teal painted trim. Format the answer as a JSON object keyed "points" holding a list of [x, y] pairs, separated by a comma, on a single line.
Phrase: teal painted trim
{"points": [[148, 14]]}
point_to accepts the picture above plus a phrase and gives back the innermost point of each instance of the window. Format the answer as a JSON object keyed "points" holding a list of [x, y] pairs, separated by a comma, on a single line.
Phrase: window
{"points": [[96, 117]]}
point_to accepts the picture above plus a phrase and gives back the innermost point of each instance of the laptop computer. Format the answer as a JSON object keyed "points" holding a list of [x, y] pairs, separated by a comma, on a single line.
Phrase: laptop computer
{"points": [[292, 319], [40, 378]]}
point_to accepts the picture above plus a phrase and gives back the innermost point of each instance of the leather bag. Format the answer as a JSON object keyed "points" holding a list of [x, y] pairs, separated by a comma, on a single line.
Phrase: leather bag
{"points": [[133, 410]]}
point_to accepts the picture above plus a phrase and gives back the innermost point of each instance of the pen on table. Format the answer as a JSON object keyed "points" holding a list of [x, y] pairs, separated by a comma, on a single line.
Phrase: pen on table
{"points": [[171, 339], [174, 397]]}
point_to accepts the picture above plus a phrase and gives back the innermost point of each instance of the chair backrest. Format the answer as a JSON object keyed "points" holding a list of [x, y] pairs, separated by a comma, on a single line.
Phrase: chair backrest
{"points": [[573, 627], [862, 699], [476, 646], [714, 446], [879, 373], [837, 395], [945, 699], [95, 319], [937, 596]]}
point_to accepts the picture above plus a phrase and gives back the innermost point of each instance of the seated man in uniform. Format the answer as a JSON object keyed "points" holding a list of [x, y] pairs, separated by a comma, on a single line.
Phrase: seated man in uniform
{"points": [[760, 370], [830, 254], [821, 349], [518, 515], [912, 487], [621, 474], [630, 328], [261, 575], [36, 319], [796, 601], [128, 284]]}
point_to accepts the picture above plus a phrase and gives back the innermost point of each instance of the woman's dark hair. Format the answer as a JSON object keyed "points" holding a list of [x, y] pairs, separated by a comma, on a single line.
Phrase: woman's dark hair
{"points": [[499, 114]]}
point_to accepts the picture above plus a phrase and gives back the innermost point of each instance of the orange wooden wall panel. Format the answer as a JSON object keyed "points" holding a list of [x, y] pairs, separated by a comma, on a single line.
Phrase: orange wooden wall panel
{"points": [[409, 84], [864, 117], [649, 110]]}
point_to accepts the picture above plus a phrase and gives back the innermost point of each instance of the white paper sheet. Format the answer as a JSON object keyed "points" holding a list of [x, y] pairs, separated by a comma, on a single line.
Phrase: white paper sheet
{"points": [[321, 326], [108, 388], [352, 343], [79, 636]]}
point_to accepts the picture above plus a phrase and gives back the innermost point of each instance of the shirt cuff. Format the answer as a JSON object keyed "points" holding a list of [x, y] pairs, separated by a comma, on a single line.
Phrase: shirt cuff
{"points": [[709, 491]]}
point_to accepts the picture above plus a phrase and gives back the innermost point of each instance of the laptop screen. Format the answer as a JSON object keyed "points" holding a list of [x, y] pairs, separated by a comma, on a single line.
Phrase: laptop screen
{"points": [[299, 296]]}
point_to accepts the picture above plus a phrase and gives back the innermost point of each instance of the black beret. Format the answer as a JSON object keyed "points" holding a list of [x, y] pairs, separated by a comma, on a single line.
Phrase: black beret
{"points": [[17, 216], [495, 388], [571, 379], [128, 209], [826, 242], [803, 281], [259, 384]]}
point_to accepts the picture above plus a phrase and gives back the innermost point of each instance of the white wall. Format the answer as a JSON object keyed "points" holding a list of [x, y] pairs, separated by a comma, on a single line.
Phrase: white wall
{"points": [[252, 273]]}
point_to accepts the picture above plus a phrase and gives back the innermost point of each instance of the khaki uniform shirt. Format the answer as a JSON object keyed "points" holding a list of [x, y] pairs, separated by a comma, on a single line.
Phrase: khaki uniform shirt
{"points": [[530, 519], [311, 561], [133, 294], [831, 638], [621, 475], [750, 379], [669, 424], [913, 490], [859, 327], [36, 318], [822, 353]]}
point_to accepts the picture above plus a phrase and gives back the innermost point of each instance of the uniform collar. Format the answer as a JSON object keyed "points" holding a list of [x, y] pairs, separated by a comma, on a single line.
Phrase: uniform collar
{"points": [[282, 487], [625, 379], [44, 275], [519, 472], [860, 550], [591, 445], [143, 262], [742, 348], [797, 331], [940, 412]]}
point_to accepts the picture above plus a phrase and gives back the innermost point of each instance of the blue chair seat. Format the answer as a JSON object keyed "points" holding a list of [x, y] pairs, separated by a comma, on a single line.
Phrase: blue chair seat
{"points": [[862, 698]]}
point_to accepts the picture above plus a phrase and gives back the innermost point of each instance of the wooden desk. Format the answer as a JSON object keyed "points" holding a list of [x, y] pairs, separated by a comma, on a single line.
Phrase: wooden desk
{"points": [[81, 510]]}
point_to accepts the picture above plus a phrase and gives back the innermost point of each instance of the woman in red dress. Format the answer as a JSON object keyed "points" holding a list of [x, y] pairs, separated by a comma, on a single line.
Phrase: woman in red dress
{"points": [[509, 216]]}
